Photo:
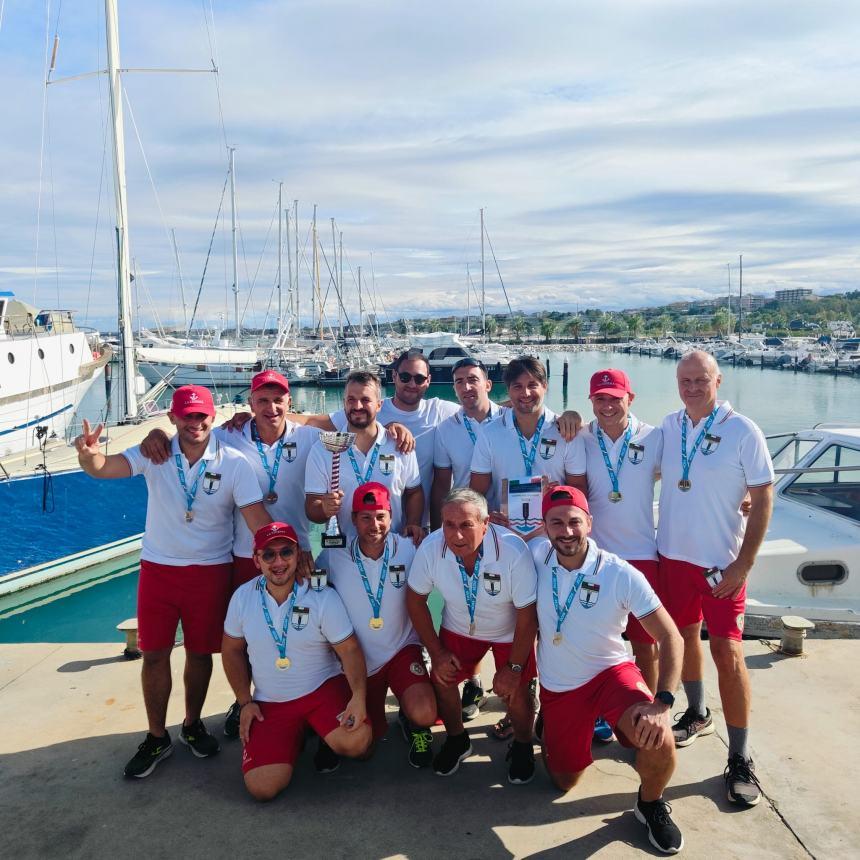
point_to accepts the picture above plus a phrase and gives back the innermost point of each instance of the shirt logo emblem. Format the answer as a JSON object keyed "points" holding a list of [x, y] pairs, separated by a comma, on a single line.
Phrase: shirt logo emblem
{"points": [[492, 583], [211, 482], [635, 453], [386, 464], [547, 448], [290, 451], [588, 594], [397, 575], [319, 579], [300, 617], [710, 444]]}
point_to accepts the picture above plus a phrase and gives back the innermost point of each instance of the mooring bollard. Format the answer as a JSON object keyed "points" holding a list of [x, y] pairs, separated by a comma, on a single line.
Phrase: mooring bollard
{"points": [[564, 373], [129, 627], [793, 633], [547, 369]]}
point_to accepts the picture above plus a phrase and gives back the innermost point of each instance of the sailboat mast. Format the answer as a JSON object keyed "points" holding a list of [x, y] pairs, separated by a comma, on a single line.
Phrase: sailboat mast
{"points": [[360, 306], [296, 251], [232, 150], [338, 286], [483, 290], [123, 279], [741, 297], [317, 278], [280, 254]]}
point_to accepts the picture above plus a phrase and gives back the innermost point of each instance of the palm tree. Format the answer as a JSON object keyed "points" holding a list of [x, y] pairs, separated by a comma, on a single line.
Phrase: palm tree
{"points": [[574, 327], [607, 327], [518, 326], [547, 329], [490, 327], [635, 324], [724, 322]]}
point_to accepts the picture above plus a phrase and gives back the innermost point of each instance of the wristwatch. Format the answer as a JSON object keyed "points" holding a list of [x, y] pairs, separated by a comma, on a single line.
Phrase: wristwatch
{"points": [[665, 697], [515, 667]]}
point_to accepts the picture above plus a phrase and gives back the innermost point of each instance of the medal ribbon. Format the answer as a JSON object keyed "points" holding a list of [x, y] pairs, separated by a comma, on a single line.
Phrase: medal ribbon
{"points": [[279, 642], [468, 425], [191, 494], [471, 596], [529, 456], [369, 471], [375, 602], [614, 473], [687, 460], [272, 471], [561, 614]]}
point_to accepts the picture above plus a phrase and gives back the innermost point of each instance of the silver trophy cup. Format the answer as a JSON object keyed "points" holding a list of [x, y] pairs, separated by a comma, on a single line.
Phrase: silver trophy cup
{"points": [[336, 443]]}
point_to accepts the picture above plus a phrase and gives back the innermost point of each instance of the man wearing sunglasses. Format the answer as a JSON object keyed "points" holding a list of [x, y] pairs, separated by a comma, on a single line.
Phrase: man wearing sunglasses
{"points": [[372, 457], [307, 666], [370, 576]]}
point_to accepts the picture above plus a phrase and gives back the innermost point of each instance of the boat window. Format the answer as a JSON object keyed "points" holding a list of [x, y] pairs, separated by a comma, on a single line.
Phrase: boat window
{"points": [[71, 348], [787, 450], [41, 353], [837, 491], [11, 358]]}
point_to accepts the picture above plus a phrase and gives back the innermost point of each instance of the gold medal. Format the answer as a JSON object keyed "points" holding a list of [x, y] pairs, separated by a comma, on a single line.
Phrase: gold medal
{"points": [[271, 498], [376, 624], [556, 640], [283, 663], [615, 496], [684, 485], [189, 516]]}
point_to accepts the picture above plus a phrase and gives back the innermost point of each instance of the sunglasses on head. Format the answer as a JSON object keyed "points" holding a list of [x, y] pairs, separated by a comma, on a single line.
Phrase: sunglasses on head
{"points": [[419, 378], [285, 552], [468, 362]]}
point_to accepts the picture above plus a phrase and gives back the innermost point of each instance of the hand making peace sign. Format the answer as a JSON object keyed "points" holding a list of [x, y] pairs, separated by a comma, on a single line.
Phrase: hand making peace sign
{"points": [[88, 442]]}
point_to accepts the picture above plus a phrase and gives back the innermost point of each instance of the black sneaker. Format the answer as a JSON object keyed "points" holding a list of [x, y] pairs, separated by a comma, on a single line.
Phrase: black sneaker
{"points": [[663, 833], [692, 725], [539, 727], [742, 785], [420, 741], [326, 760], [231, 721], [522, 762], [148, 755], [453, 751], [198, 740], [473, 699]]}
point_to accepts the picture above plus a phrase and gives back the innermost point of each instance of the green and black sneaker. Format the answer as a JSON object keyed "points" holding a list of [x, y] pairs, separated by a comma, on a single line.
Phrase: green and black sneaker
{"points": [[148, 755], [198, 740]]}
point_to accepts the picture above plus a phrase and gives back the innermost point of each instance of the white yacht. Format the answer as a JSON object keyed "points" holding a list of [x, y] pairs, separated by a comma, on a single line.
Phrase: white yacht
{"points": [[48, 365]]}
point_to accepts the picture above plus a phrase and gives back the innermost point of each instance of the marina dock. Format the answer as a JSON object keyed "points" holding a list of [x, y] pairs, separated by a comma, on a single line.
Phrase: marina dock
{"points": [[77, 716]]}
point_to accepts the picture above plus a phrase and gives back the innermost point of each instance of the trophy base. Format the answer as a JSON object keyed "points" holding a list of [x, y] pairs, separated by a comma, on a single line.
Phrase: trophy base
{"points": [[333, 541]]}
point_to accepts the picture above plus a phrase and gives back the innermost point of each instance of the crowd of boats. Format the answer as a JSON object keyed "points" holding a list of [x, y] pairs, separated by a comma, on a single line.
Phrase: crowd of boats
{"points": [[811, 355]]}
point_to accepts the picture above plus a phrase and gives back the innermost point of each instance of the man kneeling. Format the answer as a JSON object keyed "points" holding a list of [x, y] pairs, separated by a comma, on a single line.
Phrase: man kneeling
{"points": [[293, 638], [584, 668]]}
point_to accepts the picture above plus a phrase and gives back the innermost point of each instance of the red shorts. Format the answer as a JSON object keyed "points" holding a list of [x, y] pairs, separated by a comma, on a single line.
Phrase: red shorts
{"points": [[635, 631], [568, 718], [244, 570], [403, 670], [686, 594], [277, 739], [470, 652], [195, 594]]}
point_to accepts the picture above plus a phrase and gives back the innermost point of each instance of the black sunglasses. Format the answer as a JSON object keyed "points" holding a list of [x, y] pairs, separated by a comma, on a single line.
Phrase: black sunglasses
{"points": [[285, 552], [468, 362], [419, 378]]}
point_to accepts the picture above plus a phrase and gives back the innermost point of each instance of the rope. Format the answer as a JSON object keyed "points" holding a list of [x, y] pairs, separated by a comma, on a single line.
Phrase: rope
{"points": [[498, 271], [213, 56]]}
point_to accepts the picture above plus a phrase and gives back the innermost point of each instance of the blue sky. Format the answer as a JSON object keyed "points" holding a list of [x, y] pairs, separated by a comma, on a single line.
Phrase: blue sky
{"points": [[624, 152]]}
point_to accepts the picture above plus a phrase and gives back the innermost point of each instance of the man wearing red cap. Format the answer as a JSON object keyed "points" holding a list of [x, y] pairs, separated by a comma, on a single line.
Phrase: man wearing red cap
{"points": [[186, 560], [486, 577], [584, 597], [307, 666], [370, 576], [615, 460]]}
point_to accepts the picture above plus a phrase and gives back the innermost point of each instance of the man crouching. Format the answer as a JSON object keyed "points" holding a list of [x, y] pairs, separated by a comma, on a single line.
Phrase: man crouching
{"points": [[293, 638], [584, 595]]}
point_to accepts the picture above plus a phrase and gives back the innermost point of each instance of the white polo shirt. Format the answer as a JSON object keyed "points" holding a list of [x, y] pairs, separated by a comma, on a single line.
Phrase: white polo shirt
{"points": [[454, 446], [227, 482], [421, 423], [289, 484], [507, 583], [396, 471], [498, 453], [591, 633], [318, 621], [397, 632], [625, 527], [704, 526]]}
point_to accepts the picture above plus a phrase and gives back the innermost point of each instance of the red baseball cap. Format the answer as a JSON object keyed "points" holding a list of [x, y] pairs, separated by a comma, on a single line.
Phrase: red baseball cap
{"points": [[614, 382], [371, 496], [270, 377], [189, 399], [274, 531], [562, 496]]}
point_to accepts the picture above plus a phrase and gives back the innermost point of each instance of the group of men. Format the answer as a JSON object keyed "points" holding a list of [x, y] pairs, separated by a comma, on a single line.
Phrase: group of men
{"points": [[318, 644]]}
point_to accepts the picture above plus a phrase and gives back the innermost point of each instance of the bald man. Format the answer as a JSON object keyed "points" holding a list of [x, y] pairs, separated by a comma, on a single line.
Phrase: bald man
{"points": [[712, 457]]}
